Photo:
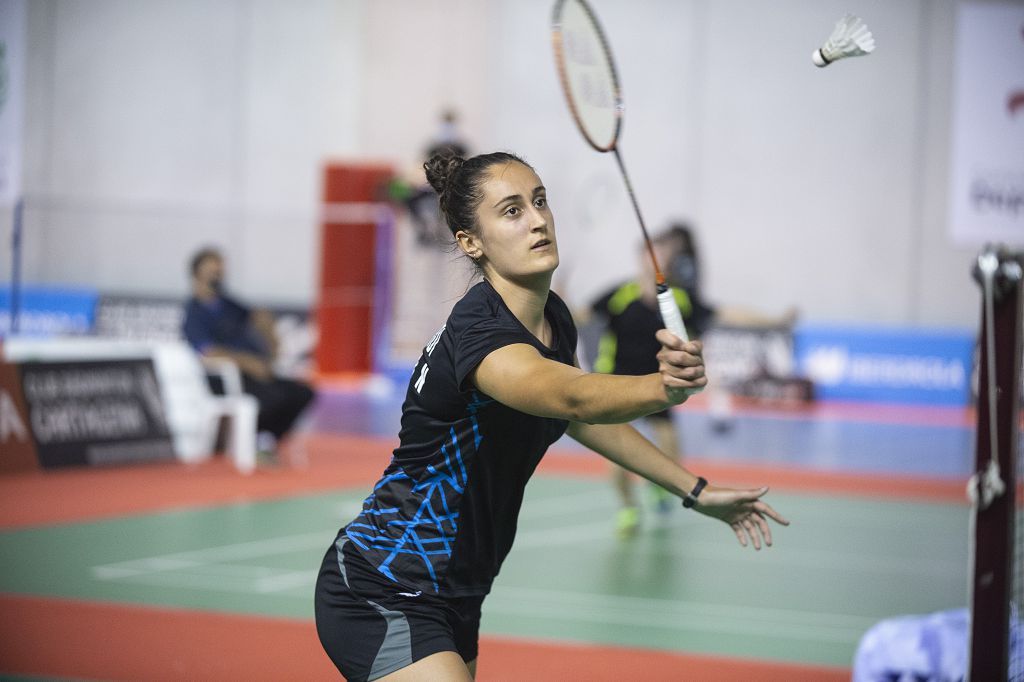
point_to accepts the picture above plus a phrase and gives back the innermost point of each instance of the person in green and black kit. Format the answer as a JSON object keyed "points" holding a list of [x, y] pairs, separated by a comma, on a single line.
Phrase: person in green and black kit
{"points": [[628, 347]]}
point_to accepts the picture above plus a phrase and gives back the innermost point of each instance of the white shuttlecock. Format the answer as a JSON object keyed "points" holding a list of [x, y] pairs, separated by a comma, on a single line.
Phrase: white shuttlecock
{"points": [[850, 38]]}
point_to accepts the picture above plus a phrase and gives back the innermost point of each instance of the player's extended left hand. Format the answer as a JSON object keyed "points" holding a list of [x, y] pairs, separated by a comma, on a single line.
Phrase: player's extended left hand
{"points": [[745, 512]]}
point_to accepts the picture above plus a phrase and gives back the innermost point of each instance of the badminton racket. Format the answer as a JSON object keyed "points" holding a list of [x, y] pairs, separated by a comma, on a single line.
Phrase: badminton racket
{"points": [[591, 86]]}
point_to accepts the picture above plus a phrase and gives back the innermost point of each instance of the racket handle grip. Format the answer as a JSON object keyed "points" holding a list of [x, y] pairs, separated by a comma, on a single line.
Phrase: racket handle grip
{"points": [[673, 320], [670, 314]]}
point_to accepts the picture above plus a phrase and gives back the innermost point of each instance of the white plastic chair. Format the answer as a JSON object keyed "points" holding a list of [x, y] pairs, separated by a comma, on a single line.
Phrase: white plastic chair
{"points": [[194, 412]]}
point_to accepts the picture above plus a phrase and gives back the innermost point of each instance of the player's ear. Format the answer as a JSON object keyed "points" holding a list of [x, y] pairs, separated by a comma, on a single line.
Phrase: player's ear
{"points": [[469, 243]]}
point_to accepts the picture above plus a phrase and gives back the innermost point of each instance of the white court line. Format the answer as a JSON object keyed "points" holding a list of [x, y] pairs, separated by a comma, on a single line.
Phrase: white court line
{"points": [[565, 535], [115, 572], [678, 615], [199, 569], [823, 559], [568, 600], [195, 560], [728, 550], [193, 581], [267, 584], [557, 505], [284, 544], [348, 510], [214, 555], [205, 568], [204, 565], [287, 581]]}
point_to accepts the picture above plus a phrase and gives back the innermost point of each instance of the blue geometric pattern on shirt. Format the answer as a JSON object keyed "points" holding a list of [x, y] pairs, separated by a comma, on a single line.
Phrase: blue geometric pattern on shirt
{"points": [[474, 406], [431, 531]]}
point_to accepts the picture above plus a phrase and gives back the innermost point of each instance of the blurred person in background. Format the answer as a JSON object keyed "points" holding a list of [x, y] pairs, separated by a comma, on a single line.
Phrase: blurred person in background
{"points": [[218, 326], [683, 270], [630, 316], [416, 194], [628, 346]]}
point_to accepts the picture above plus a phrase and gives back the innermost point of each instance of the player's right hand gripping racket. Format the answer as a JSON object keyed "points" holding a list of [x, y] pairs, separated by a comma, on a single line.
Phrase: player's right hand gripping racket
{"points": [[591, 86]]}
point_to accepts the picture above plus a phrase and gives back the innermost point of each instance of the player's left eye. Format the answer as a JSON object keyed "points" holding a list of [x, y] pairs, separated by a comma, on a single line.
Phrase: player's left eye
{"points": [[540, 202]]}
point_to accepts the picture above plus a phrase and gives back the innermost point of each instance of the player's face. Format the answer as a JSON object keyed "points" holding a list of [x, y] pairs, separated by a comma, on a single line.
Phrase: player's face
{"points": [[211, 272], [516, 231]]}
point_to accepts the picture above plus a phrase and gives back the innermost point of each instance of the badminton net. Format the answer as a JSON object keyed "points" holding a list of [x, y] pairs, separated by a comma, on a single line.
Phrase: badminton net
{"points": [[994, 490]]}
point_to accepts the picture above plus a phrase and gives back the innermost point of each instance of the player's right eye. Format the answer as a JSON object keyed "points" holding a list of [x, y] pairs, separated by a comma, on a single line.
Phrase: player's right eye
{"points": [[512, 211]]}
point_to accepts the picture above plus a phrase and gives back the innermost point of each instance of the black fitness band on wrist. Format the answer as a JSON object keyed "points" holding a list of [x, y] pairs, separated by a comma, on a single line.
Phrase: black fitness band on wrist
{"points": [[691, 498]]}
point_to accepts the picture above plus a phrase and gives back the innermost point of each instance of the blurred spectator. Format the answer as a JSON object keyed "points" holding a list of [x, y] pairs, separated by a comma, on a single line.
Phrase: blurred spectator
{"points": [[628, 346], [683, 270], [448, 141], [414, 191], [218, 326]]}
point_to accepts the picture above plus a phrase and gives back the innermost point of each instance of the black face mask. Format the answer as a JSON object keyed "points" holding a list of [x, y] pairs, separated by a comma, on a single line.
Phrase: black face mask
{"points": [[217, 285], [683, 271]]}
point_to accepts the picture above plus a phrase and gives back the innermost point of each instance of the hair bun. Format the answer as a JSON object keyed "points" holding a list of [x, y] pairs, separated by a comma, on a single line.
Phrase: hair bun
{"points": [[440, 169]]}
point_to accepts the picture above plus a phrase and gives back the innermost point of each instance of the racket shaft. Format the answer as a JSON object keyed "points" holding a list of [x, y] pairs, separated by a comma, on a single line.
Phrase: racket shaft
{"points": [[673, 320]]}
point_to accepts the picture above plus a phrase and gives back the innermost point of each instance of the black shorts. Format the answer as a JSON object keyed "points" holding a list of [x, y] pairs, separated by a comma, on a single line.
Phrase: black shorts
{"points": [[371, 627]]}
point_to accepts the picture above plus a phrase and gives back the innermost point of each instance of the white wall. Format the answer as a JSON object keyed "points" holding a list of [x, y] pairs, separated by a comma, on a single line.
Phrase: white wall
{"points": [[420, 58], [820, 188], [154, 127]]}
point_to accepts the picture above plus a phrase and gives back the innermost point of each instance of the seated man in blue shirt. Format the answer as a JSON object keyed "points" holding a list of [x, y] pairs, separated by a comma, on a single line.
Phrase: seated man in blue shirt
{"points": [[217, 326]]}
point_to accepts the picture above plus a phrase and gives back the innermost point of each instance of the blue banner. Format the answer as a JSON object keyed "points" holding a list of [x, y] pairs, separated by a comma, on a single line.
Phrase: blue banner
{"points": [[894, 365], [49, 311]]}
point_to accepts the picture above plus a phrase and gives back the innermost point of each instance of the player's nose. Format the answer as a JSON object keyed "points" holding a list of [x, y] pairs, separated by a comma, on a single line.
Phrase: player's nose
{"points": [[538, 221]]}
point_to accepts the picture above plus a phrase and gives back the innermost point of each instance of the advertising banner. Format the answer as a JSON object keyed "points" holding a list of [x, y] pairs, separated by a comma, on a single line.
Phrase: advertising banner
{"points": [[17, 451], [47, 311], [95, 413], [735, 355], [987, 147], [139, 318], [887, 365]]}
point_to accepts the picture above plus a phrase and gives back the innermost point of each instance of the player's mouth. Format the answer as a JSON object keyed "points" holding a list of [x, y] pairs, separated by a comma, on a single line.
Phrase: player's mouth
{"points": [[541, 244]]}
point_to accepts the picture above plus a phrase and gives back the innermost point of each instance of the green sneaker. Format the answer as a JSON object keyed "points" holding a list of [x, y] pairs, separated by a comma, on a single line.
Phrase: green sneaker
{"points": [[627, 522]]}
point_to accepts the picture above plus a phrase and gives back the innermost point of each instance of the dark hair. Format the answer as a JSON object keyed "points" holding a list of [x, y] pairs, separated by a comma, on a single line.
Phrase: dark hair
{"points": [[682, 232], [459, 184], [683, 268], [201, 255]]}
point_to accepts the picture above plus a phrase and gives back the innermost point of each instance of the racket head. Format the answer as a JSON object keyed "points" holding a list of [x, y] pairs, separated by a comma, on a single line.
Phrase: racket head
{"points": [[587, 73]]}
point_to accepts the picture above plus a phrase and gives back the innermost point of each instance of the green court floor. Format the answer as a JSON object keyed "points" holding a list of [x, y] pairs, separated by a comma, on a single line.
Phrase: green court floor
{"points": [[682, 584]]}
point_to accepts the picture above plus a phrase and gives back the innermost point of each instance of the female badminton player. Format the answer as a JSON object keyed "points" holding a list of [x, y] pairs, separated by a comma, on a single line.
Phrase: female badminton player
{"points": [[399, 592]]}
